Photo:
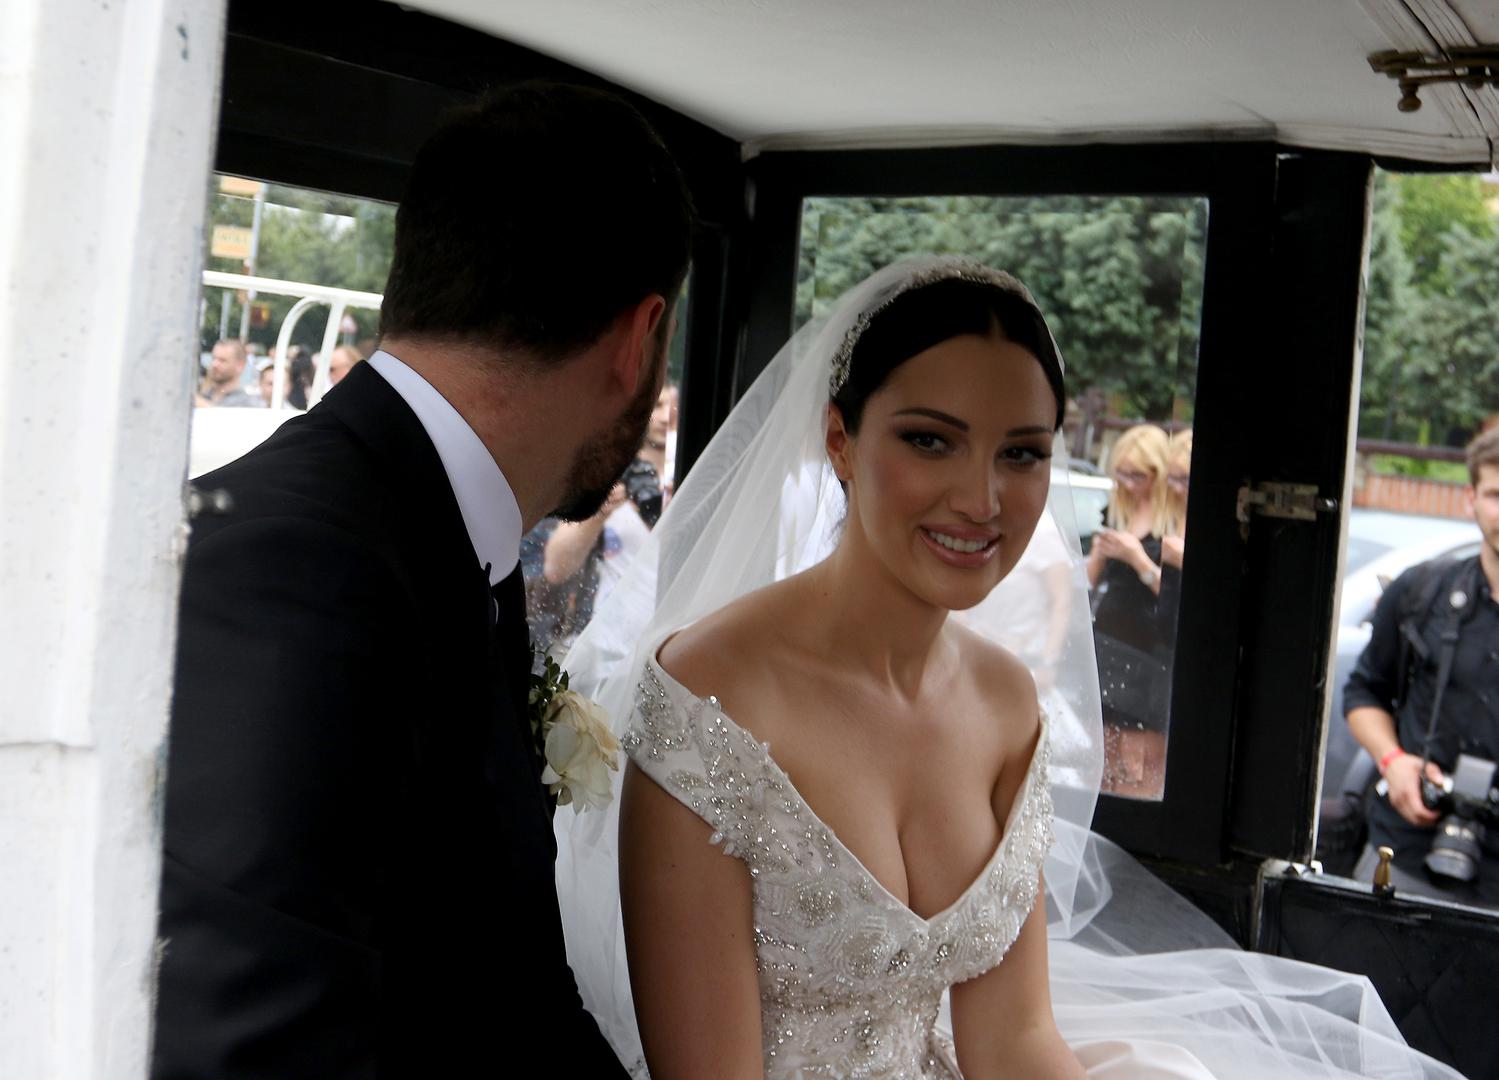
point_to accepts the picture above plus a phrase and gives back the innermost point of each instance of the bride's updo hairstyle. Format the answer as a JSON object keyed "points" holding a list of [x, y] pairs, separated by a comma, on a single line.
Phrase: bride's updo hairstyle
{"points": [[927, 315]]}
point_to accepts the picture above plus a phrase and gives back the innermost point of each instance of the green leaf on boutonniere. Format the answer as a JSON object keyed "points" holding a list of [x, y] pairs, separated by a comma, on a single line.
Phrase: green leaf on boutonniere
{"points": [[546, 684]]}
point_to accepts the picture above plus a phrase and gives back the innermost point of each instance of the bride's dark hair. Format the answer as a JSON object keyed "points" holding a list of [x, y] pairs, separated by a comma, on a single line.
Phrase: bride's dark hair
{"points": [[927, 315]]}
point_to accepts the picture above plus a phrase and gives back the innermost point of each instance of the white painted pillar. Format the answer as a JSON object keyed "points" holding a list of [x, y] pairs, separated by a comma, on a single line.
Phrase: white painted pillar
{"points": [[107, 116]]}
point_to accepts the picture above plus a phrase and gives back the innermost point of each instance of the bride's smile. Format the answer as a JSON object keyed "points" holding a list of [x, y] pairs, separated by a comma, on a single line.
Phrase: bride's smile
{"points": [[954, 548]]}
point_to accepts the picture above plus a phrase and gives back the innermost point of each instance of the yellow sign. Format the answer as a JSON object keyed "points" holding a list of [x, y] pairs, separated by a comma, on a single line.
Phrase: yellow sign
{"points": [[230, 242], [238, 185]]}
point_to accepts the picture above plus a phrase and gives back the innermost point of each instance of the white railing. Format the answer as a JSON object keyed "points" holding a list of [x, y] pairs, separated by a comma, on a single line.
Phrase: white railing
{"points": [[338, 300]]}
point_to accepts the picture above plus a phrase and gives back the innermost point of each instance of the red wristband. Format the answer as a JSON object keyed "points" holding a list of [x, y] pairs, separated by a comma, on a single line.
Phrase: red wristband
{"points": [[1384, 762]]}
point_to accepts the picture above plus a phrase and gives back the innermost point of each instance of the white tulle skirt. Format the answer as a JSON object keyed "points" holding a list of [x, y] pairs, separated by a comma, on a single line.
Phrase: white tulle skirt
{"points": [[1151, 987]]}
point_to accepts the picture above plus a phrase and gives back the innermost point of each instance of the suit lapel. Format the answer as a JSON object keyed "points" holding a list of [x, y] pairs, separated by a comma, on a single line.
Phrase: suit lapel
{"points": [[453, 582]]}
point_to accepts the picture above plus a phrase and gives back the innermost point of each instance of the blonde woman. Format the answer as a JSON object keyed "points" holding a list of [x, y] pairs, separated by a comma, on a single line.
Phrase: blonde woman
{"points": [[1134, 645], [1178, 474], [1137, 512]]}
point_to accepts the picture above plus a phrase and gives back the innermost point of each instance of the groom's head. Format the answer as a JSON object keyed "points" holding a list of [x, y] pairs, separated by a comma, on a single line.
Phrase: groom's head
{"points": [[545, 231]]}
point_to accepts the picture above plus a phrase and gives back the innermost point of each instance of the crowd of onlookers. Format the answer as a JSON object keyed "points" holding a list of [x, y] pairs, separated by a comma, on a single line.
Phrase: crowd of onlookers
{"points": [[224, 382]]}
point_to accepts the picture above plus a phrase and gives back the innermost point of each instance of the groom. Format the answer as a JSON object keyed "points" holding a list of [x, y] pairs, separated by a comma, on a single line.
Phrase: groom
{"points": [[358, 875]]}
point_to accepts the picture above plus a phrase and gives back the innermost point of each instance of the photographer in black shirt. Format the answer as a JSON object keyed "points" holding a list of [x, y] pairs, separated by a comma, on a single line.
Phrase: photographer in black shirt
{"points": [[1425, 693]]}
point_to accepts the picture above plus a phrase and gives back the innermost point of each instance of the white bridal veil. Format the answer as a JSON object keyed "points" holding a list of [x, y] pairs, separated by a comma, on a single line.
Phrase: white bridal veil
{"points": [[1130, 959]]}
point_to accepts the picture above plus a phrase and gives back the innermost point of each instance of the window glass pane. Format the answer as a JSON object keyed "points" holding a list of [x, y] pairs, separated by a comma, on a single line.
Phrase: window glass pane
{"points": [[1120, 281], [1430, 385], [314, 238], [570, 567], [301, 237], [308, 237], [311, 237]]}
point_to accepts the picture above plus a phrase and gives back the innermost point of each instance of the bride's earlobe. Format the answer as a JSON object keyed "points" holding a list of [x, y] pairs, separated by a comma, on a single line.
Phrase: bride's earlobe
{"points": [[837, 442]]}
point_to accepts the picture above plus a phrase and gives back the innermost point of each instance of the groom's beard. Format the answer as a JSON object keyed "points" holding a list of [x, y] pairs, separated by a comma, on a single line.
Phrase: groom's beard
{"points": [[603, 459]]}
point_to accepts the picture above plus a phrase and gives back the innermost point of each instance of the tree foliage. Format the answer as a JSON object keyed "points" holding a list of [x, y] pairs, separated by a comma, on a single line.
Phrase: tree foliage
{"points": [[1432, 206], [1455, 374], [1119, 278], [1390, 323], [305, 236], [1431, 329]]}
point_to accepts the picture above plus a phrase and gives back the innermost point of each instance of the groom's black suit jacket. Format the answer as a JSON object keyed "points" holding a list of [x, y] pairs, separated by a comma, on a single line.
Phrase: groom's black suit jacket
{"points": [[358, 876]]}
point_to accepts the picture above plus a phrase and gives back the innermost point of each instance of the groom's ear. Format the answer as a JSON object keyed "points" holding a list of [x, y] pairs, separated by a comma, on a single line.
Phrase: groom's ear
{"points": [[635, 354]]}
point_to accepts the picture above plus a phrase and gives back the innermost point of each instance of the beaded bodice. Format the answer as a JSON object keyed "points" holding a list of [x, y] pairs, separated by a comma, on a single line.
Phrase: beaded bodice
{"points": [[851, 979]]}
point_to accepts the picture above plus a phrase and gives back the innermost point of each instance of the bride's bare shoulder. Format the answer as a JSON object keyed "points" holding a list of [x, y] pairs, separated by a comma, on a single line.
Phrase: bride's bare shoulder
{"points": [[1003, 680], [718, 651]]}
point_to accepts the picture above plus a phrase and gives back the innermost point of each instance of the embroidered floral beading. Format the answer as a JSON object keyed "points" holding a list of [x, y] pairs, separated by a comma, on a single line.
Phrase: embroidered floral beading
{"points": [[850, 978]]}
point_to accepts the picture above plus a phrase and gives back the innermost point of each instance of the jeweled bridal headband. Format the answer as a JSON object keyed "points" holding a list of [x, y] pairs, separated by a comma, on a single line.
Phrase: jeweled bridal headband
{"points": [[956, 268]]}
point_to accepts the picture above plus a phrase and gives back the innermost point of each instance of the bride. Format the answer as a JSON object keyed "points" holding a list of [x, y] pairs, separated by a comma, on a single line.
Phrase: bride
{"points": [[802, 663]]}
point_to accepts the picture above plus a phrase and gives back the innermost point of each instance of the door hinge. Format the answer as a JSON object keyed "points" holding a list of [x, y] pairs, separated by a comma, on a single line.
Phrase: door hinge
{"points": [[1274, 498]]}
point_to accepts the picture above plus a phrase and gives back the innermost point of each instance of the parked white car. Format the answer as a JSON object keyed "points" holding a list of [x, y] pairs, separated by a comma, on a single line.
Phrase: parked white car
{"points": [[1090, 496]]}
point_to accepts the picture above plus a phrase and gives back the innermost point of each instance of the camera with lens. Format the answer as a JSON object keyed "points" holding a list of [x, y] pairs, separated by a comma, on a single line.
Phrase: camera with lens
{"points": [[1469, 802], [644, 490]]}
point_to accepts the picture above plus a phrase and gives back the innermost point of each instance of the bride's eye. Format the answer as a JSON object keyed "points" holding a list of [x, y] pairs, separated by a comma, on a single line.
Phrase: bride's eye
{"points": [[926, 441], [1025, 455]]}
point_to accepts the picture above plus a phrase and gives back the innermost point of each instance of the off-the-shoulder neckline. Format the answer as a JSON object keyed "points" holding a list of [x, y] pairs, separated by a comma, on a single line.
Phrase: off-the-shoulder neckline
{"points": [[1022, 796]]}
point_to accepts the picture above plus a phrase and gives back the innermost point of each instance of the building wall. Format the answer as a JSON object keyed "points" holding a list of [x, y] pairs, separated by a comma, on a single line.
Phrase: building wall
{"points": [[107, 117], [1411, 495]]}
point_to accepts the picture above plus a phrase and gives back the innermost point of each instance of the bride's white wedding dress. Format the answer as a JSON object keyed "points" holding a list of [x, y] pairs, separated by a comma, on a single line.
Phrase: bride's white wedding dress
{"points": [[852, 982], [851, 979]]}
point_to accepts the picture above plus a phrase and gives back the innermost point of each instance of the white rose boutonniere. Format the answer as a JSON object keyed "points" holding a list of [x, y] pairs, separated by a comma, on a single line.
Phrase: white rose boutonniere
{"points": [[581, 751], [576, 744]]}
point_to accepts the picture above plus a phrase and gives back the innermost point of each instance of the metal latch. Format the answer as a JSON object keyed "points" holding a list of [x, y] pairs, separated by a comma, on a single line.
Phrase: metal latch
{"points": [[1273, 498]]}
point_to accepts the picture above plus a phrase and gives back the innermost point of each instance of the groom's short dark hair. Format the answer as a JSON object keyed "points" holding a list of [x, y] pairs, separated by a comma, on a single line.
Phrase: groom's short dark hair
{"points": [[532, 219]]}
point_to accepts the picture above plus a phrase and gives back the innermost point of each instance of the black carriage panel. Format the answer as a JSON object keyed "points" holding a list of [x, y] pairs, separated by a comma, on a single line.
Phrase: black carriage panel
{"points": [[1299, 376], [1432, 963], [328, 90]]}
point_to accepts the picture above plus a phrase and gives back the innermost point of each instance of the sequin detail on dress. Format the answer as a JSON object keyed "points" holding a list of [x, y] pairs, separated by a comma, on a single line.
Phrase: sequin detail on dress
{"points": [[851, 979]]}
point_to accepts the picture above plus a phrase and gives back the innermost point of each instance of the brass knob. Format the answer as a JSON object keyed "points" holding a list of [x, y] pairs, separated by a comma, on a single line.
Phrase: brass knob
{"points": [[1382, 872]]}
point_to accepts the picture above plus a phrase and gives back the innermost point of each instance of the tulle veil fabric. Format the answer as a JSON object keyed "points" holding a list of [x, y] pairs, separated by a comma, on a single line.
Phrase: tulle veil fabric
{"points": [[1130, 959]]}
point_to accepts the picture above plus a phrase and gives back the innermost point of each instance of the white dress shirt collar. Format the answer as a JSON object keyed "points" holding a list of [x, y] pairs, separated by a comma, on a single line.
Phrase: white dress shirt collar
{"points": [[490, 512]]}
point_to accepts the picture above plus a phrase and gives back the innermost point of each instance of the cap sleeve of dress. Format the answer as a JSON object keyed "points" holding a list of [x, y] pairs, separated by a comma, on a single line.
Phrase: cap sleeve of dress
{"points": [[696, 754]]}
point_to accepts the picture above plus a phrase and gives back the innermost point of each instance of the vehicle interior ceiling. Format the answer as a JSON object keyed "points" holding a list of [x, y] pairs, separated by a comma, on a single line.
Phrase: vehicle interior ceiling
{"points": [[1270, 110]]}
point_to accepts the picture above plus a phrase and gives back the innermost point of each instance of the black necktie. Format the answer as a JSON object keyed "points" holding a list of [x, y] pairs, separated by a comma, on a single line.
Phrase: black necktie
{"points": [[512, 638]]}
